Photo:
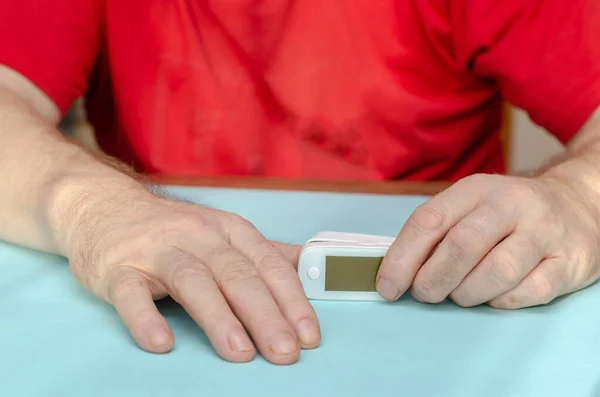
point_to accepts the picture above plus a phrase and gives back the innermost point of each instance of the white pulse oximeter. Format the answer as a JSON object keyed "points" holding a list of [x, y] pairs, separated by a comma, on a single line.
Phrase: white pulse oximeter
{"points": [[342, 266]]}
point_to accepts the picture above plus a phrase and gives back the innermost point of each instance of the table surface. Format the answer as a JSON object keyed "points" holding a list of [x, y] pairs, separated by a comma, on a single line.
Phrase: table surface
{"points": [[58, 340]]}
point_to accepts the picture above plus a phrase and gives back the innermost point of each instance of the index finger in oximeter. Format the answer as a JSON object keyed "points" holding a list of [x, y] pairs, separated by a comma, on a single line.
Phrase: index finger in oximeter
{"points": [[342, 266]]}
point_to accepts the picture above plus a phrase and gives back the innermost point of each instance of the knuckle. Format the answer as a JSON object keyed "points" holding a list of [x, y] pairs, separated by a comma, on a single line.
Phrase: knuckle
{"points": [[462, 302], [477, 178], [552, 222], [191, 220], [524, 192], [582, 269], [462, 299], [505, 268], [512, 301], [427, 291], [544, 212], [125, 286], [300, 306], [185, 272], [240, 221], [267, 319], [544, 287], [189, 271], [427, 218], [463, 296], [278, 273], [468, 237], [237, 227], [237, 271], [267, 262], [500, 304], [504, 206]]}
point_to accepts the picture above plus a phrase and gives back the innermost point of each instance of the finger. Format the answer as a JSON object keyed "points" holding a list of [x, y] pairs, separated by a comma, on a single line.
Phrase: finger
{"points": [[423, 230], [465, 245], [192, 285], [291, 252], [251, 301], [130, 294], [282, 279], [500, 271], [543, 284]]}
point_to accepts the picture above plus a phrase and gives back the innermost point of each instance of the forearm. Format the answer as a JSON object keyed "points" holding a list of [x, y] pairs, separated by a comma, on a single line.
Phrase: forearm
{"points": [[42, 175], [579, 165]]}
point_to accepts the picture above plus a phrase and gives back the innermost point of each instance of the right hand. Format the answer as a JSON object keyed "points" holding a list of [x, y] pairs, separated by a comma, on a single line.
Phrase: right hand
{"points": [[227, 276]]}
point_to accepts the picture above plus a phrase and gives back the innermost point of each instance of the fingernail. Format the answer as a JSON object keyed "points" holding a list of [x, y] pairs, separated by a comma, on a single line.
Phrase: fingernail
{"points": [[308, 332], [159, 337], [239, 342], [283, 343], [386, 289]]}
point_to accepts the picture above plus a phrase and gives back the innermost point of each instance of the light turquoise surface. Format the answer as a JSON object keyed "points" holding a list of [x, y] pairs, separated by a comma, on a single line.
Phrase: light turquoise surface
{"points": [[57, 340]]}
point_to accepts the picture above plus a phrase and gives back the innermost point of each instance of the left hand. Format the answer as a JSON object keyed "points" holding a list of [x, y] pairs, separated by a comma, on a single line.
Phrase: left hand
{"points": [[510, 242]]}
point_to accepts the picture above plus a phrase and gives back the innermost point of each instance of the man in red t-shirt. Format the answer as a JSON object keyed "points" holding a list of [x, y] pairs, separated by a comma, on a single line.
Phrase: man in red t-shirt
{"points": [[356, 90]]}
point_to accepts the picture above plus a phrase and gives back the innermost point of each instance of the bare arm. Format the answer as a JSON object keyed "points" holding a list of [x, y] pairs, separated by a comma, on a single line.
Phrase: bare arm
{"points": [[508, 241], [579, 165], [42, 171], [129, 246]]}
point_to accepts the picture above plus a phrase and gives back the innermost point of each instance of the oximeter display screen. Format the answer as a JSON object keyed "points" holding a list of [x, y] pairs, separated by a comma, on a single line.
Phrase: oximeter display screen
{"points": [[351, 273]]}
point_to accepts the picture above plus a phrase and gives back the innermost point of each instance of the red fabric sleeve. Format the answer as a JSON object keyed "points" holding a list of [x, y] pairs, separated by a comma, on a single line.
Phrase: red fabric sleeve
{"points": [[54, 43], [543, 54]]}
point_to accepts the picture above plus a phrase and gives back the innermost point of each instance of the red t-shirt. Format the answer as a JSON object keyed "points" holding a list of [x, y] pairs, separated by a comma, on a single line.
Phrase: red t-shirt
{"points": [[358, 89]]}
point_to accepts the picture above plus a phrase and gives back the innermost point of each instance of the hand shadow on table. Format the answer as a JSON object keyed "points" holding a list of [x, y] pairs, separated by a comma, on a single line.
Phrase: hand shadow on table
{"points": [[182, 325], [596, 389], [407, 301]]}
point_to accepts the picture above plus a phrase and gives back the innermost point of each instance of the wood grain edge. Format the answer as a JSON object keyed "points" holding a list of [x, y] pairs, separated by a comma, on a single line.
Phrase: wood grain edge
{"points": [[365, 187]]}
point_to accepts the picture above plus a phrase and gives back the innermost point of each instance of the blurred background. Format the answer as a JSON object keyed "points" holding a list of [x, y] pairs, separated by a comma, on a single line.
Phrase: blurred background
{"points": [[528, 145]]}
